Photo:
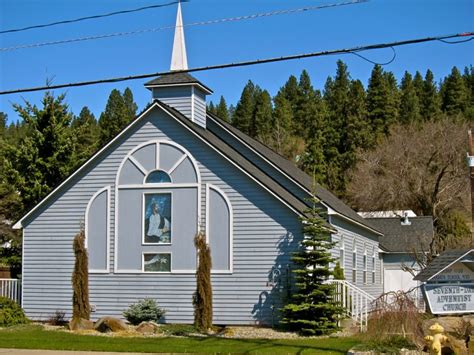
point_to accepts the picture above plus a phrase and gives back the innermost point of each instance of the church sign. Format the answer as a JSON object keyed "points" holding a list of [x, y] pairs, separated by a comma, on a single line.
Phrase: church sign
{"points": [[449, 282], [450, 298]]}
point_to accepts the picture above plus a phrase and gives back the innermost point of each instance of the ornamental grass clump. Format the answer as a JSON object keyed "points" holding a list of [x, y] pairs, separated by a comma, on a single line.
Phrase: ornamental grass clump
{"points": [[11, 313], [146, 310], [202, 299], [80, 279]]}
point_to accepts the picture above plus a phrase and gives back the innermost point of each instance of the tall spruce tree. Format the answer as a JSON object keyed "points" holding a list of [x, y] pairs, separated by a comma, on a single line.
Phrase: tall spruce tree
{"points": [[454, 93], [221, 110], [85, 131], [282, 120], [311, 310], [119, 111], [45, 156], [3, 124], [430, 101], [245, 109], [468, 77], [263, 117], [409, 102], [381, 102]]}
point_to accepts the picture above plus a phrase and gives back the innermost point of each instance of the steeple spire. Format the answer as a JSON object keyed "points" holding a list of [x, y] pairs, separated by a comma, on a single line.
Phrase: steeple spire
{"points": [[179, 60]]}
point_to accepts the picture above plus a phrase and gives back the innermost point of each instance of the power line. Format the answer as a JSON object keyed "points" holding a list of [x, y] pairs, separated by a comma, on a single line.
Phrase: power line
{"points": [[353, 50], [89, 17], [200, 23]]}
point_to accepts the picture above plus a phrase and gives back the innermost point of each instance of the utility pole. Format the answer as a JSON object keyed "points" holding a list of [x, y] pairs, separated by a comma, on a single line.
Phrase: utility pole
{"points": [[470, 162]]}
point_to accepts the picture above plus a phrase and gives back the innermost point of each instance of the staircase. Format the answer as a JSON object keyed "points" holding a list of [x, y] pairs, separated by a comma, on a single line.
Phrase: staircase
{"points": [[354, 300]]}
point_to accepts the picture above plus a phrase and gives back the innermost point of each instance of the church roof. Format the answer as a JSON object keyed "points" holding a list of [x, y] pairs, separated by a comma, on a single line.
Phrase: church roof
{"points": [[176, 79], [404, 238], [443, 261], [290, 169]]}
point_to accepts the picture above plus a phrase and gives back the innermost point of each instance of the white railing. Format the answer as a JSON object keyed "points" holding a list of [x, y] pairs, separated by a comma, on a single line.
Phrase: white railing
{"points": [[11, 288], [354, 300]]}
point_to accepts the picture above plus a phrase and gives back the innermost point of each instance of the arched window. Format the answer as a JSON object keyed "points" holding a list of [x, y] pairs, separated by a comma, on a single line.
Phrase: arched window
{"points": [[157, 177]]}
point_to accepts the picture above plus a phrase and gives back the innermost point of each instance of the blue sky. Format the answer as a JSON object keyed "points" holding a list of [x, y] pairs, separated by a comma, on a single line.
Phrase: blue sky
{"points": [[347, 26]]}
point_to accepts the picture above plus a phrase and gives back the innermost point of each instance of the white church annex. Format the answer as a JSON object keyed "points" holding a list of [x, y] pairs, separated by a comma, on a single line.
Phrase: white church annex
{"points": [[173, 171]]}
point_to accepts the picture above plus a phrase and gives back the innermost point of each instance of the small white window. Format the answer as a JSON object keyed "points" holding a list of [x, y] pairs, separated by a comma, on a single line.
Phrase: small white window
{"points": [[341, 252], [365, 263], [374, 254], [354, 261]]}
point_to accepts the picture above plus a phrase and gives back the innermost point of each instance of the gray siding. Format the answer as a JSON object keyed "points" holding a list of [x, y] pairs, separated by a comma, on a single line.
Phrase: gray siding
{"points": [[200, 107], [362, 237], [265, 233], [178, 97], [260, 162]]}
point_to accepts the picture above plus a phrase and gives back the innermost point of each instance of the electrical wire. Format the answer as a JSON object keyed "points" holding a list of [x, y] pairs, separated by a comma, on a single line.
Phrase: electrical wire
{"points": [[90, 17], [377, 63], [352, 50], [200, 23]]}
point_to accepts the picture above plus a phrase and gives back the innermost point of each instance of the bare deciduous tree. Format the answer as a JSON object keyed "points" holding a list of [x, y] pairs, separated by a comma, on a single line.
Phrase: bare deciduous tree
{"points": [[418, 167]]}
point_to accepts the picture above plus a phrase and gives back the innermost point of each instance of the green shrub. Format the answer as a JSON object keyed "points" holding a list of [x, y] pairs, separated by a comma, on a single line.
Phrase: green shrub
{"points": [[11, 313], [144, 311], [178, 329]]}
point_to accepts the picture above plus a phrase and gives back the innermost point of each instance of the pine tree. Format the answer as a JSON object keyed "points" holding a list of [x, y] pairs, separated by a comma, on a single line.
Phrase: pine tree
{"points": [[221, 110], [430, 101], [202, 299], [409, 103], [119, 111], [282, 116], [3, 124], [80, 279], [311, 310], [454, 93], [244, 111], [86, 133], [468, 77], [45, 156], [263, 116], [211, 108], [381, 102], [418, 84]]}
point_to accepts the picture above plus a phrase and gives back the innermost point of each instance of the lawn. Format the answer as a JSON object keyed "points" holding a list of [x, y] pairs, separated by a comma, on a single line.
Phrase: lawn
{"points": [[34, 337]]}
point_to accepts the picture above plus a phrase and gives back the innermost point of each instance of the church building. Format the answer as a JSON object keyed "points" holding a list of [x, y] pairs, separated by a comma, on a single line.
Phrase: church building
{"points": [[173, 171]]}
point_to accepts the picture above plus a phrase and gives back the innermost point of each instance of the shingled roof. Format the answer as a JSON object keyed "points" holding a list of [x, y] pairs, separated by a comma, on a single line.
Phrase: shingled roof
{"points": [[404, 238], [443, 261], [290, 169], [176, 79]]}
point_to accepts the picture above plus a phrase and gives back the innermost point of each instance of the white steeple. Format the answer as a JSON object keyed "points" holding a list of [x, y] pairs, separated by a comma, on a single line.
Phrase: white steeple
{"points": [[179, 61]]}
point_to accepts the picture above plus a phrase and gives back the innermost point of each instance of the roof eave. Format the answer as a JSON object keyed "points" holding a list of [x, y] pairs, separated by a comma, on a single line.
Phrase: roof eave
{"points": [[199, 85]]}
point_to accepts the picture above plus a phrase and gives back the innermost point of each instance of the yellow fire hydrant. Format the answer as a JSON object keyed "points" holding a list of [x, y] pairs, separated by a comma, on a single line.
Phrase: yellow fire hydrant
{"points": [[436, 339]]}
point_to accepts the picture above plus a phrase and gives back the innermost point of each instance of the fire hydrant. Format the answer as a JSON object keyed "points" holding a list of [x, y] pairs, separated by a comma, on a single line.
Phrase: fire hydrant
{"points": [[436, 339]]}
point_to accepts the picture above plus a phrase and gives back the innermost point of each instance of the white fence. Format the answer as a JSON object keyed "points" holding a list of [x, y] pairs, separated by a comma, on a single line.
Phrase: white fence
{"points": [[11, 288]]}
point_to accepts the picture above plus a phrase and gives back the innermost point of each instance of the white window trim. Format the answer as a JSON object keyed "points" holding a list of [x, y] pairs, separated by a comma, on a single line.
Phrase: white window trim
{"points": [[365, 262], [354, 258], [157, 272], [156, 183], [231, 227], [157, 144], [342, 252], [162, 192], [107, 190]]}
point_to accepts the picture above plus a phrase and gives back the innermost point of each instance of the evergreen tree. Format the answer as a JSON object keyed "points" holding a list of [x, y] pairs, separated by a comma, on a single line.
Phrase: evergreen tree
{"points": [[430, 102], [311, 310], [221, 110], [80, 279], [468, 77], [119, 112], [85, 130], [306, 99], [418, 84], [244, 111], [130, 105], [44, 157], [202, 299], [381, 102], [263, 116], [211, 108], [3, 123], [454, 93], [291, 92], [282, 116], [409, 103]]}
